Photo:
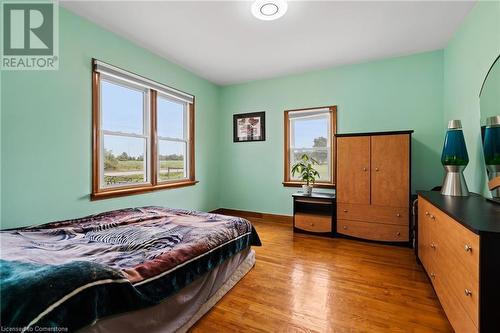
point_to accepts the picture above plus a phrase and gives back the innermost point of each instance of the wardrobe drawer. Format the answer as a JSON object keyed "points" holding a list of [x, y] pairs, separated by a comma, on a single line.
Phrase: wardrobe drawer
{"points": [[313, 222], [373, 231], [371, 213]]}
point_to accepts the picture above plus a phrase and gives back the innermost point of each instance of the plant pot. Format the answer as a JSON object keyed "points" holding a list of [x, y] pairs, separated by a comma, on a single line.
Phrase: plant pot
{"points": [[307, 189]]}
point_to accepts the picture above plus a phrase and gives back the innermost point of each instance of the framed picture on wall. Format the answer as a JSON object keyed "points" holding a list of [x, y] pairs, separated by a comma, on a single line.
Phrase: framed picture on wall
{"points": [[249, 127]]}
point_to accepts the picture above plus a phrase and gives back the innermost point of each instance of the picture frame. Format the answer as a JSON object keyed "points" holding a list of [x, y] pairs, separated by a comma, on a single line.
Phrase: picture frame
{"points": [[249, 127]]}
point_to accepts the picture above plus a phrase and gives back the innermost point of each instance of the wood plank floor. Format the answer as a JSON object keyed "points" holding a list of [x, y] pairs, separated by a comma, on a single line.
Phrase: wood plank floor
{"points": [[303, 283]]}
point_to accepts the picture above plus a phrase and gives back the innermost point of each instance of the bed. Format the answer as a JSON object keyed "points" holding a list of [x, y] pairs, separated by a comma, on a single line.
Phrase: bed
{"points": [[148, 269]]}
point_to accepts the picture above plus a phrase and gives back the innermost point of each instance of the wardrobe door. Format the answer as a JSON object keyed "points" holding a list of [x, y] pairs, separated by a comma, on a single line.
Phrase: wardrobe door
{"points": [[390, 158], [353, 170]]}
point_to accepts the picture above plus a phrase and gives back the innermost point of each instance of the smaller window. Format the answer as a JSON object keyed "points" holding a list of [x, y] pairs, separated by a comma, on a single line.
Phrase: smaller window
{"points": [[311, 132]]}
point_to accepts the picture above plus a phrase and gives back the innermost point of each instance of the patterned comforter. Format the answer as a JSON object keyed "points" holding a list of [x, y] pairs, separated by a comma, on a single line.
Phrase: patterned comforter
{"points": [[66, 275]]}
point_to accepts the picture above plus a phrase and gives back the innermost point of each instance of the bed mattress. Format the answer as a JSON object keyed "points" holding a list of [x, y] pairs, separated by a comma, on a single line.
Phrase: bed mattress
{"points": [[182, 310]]}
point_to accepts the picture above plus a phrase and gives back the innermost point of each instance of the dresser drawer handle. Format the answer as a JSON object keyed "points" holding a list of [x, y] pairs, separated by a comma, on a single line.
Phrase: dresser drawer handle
{"points": [[468, 292], [468, 248], [365, 169], [345, 210], [427, 213], [376, 169], [311, 224], [345, 227], [433, 246], [398, 215], [433, 217], [398, 234], [433, 275]]}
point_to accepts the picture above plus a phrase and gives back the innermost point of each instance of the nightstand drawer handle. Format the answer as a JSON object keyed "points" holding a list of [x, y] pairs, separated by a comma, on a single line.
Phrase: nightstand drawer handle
{"points": [[398, 215], [468, 248], [345, 227], [398, 234], [427, 213], [345, 210], [433, 275], [433, 246], [365, 169], [468, 292], [311, 224], [376, 169], [433, 217]]}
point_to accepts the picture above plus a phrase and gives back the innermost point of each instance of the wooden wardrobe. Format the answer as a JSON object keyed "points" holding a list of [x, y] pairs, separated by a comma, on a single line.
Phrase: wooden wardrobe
{"points": [[373, 186]]}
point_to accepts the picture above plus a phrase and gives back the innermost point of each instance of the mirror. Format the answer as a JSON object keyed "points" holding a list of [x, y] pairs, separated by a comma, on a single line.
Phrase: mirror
{"points": [[490, 127]]}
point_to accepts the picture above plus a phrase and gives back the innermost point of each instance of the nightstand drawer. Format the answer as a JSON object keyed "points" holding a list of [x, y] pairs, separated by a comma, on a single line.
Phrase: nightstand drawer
{"points": [[313, 222], [373, 231]]}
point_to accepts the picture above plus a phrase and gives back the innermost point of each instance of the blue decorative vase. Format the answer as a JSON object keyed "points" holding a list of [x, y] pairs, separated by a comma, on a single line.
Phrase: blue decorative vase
{"points": [[454, 159]]}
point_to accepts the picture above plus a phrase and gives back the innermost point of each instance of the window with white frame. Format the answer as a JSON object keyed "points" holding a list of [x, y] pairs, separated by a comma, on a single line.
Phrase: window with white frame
{"points": [[143, 134], [310, 132]]}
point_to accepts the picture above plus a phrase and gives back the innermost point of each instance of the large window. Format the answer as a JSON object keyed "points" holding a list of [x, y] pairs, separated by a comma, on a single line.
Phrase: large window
{"points": [[311, 132], [143, 134]]}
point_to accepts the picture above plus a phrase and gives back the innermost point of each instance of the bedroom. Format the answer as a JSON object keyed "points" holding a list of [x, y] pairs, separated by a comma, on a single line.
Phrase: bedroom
{"points": [[181, 123]]}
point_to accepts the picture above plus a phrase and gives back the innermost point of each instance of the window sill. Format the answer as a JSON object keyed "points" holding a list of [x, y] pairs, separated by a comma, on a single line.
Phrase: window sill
{"points": [[132, 190], [299, 184]]}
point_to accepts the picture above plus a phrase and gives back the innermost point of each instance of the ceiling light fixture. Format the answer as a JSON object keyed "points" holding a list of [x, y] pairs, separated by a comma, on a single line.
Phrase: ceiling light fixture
{"points": [[268, 10]]}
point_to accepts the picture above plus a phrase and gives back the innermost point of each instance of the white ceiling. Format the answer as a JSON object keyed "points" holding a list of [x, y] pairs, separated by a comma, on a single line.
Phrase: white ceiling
{"points": [[222, 42]]}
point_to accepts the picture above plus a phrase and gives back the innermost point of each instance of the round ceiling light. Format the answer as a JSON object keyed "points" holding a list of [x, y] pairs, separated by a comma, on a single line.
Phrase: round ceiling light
{"points": [[269, 10]]}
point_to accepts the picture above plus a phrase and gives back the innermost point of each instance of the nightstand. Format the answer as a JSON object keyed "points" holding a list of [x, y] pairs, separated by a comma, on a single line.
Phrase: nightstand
{"points": [[314, 214]]}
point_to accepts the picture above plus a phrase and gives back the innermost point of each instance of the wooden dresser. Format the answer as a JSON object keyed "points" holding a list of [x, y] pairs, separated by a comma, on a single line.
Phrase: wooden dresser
{"points": [[459, 247], [373, 186]]}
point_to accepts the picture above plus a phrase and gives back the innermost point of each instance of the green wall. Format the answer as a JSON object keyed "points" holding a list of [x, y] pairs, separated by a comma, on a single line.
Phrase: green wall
{"points": [[46, 130], [467, 59], [392, 94], [46, 121]]}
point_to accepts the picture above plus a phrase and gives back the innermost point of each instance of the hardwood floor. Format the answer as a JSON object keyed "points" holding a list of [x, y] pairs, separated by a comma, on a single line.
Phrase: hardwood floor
{"points": [[303, 283]]}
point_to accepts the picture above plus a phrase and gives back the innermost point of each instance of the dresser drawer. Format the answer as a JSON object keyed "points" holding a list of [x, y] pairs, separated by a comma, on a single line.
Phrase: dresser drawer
{"points": [[450, 252], [371, 213], [457, 255], [451, 300], [313, 222], [373, 231]]}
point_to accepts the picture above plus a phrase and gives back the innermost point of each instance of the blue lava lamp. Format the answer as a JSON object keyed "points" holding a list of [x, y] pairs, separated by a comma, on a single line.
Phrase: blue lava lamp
{"points": [[454, 159], [492, 150]]}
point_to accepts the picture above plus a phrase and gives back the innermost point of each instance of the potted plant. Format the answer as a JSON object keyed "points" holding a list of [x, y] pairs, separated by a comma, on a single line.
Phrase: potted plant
{"points": [[305, 168]]}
